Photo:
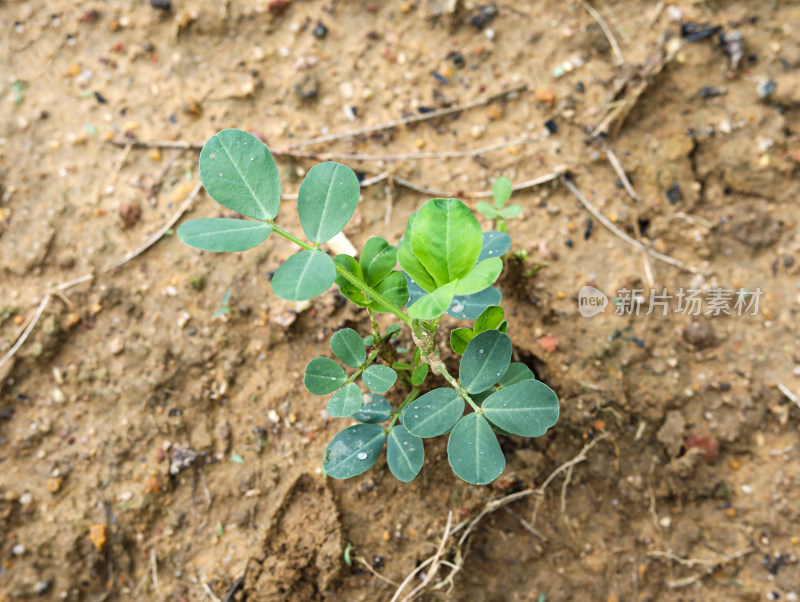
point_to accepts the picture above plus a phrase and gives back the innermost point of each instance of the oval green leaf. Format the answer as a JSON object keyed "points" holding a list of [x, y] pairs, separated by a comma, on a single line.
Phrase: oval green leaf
{"points": [[474, 452], [323, 376], [434, 413], [375, 409], [378, 259], [304, 275], [354, 450], [348, 347], [485, 360], [405, 454], [393, 288], [327, 199], [469, 307], [488, 210], [238, 171], [419, 375], [517, 372], [433, 304], [501, 191], [446, 238], [527, 408], [346, 288], [223, 235], [510, 212], [490, 318], [345, 402], [460, 338], [409, 262], [480, 277], [379, 378], [495, 244]]}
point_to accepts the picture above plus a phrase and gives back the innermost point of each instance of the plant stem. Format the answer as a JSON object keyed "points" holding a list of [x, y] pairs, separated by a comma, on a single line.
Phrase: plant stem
{"points": [[351, 278], [364, 366], [396, 413]]}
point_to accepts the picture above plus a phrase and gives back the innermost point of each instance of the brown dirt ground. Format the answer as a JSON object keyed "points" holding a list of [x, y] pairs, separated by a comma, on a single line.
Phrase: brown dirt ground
{"points": [[123, 371]]}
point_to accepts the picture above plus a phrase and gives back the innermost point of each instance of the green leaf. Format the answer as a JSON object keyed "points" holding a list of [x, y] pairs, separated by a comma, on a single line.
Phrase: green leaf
{"points": [[503, 326], [348, 347], [491, 318], [510, 212], [354, 450], [501, 191], [304, 275], [433, 304], [323, 376], [375, 409], [485, 360], [527, 408], [393, 328], [495, 244], [469, 307], [378, 259], [222, 234], [480, 277], [327, 199], [379, 378], [238, 171], [473, 451], [409, 262], [446, 238], [498, 430], [393, 288], [345, 287], [486, 209], [419, 374], [402, 366], [345, 402], [460, 338], [434, 413], [516, 372], [405, 454]]}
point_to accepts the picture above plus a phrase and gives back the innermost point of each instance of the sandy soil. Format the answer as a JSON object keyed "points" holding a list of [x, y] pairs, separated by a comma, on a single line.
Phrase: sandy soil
{"points": [[691, 490]]}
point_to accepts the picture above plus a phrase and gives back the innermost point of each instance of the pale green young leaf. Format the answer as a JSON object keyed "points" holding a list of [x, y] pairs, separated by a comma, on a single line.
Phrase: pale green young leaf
{"points": [[327, 200], [510, 212], [490, 318], [409, 262], [501, 191], [345, 402], [460, 338], [347, 289], [375, 409], [354, 450], [486, 209], [434, 413], [323, 376], [482, 276], [446, 238], [223, 234], [377, 261], [419, 374], [304, 275], [238, 171], [485, 360], [474, 452], [405, 454], [393, 288], [348, 347], [379, 378], [527, 408], [433, 304]]}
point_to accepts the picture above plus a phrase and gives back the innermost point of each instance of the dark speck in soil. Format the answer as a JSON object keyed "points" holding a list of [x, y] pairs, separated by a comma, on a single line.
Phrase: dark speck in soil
{"points": [[161, 4], [551, 126], [674, 194], [695, 32], [320, 31], [483, 17]]}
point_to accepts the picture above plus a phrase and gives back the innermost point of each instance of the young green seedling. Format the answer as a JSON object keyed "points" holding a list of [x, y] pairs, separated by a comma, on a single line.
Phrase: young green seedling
{"points": [[501, 192], [448, 266]]}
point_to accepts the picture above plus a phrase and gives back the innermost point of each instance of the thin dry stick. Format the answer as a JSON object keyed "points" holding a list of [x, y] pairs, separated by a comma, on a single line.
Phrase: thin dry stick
{"points": [[28, 329], [711, 566], [363, 561], [617, 166], [631, 241], [606, 30], [525, 524], [409, 120], [210, 593], [430, 575], [410, 576], [781, 387]]}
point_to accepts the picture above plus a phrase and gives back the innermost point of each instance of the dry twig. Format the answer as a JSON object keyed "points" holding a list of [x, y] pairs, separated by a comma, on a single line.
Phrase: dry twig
{"points": [[606, 30], [785, 390], [711, 566]]}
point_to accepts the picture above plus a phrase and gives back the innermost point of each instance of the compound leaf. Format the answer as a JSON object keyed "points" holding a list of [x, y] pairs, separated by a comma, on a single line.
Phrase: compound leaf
{"points": [[434, 413], [480, 277], [375, 409], [379, 378], [223, 234], [527, 408], [474, 452], [485, 360], [345, 402], [501, 191], [495, 244], [460, 338], [323, 376], [304, 275], [433, 304], [490, 318], [446, 238], [354, 450], [393, 288], [327, 200], [378, 259], [405, 454], [348, 347], [469, 307], [238, 171], [517, 372]]}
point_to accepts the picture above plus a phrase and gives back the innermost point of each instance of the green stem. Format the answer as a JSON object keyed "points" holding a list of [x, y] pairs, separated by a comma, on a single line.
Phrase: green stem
{"points": [[396, 413], [351, 278], [364, 366]]}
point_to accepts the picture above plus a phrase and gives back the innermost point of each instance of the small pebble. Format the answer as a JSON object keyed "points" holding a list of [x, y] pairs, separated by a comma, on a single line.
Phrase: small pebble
{"points": [[766, 88], [320, 31], [18, 550], [483, 17], [545, 95], [164, 5], [116, 346], [551, 126], [747, 489]]}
